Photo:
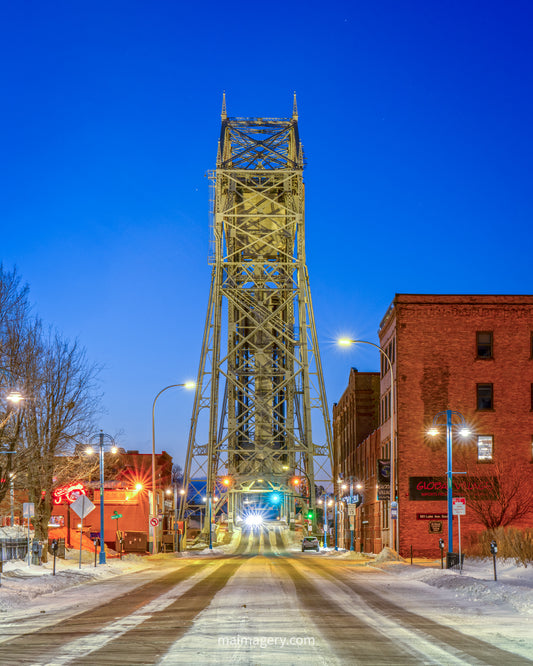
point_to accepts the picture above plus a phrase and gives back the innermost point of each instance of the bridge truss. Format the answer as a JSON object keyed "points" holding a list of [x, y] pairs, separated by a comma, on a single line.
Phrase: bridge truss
{"points": [[260, 379]]}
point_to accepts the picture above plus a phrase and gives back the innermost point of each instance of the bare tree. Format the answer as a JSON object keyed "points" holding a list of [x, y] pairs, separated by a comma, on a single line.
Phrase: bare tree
{"points": [[177, 475], [61, 403], [500, 497], [14, 314]]}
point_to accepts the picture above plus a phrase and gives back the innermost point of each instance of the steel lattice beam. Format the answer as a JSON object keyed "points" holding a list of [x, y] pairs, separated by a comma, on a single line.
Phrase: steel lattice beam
{"points": [[252, 416]]}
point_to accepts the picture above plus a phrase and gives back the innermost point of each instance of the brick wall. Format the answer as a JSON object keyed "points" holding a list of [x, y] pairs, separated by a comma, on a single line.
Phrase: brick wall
{"points": [[437, 368]]}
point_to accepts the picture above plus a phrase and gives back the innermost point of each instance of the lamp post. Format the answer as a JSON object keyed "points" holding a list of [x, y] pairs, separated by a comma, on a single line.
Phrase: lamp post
{"points": [[154, 489], [464, 431], [177, 539], [335, 520], [394, 533], [296, 483], [89, 450], [14, 397]]}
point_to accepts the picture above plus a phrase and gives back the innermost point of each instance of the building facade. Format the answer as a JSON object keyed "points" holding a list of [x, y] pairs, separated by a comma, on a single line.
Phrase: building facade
{"points": [[355, 418], [466, 353], [473, 355]]}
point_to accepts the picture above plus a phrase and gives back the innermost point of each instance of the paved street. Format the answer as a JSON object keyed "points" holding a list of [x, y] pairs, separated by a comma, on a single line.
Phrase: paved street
{"points": [[263, 604]]}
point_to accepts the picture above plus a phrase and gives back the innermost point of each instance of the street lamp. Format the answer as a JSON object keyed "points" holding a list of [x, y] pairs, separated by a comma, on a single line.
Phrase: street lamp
{"points": [[15, 397], [89, 450], [395, 539], [154, 505], [464, 431]]}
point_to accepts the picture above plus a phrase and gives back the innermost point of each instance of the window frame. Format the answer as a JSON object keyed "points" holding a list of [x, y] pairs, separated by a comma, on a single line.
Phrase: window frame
{"points": [[478, 442], [490, 355], [478, 397]]}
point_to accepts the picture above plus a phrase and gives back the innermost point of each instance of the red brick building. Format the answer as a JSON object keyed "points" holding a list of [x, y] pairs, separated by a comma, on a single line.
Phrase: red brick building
{"points": [[470, 354], [474, 355], [127, 491], [355, 417]]}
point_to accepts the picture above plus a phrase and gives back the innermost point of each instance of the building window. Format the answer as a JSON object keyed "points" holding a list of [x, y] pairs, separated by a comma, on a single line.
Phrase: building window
{"points": [[485, 399], [484, 344], [484, 448]]}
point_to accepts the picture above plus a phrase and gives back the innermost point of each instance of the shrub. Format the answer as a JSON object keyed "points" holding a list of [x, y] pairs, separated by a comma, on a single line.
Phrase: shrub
{"points": [[512, 544]]}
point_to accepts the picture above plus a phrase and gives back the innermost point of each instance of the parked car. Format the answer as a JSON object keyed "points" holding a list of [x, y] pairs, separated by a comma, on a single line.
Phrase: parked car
{"points": [[310, 543]]}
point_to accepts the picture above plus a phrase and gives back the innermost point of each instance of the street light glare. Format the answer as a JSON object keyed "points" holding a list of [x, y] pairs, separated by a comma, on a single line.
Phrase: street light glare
{"points": [[138, 486], [433, 432], [345, 342], [189, 385], [89, 450], [15, 396], [465, 432]]}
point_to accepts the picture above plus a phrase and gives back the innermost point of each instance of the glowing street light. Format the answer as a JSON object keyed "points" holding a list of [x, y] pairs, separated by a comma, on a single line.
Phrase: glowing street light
{"points": [[346, 342], [89, 450], [464, 431], [187, 385], [15, 397]]}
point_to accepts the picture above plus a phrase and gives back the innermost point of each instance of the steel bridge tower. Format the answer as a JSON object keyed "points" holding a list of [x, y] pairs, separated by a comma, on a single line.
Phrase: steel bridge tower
{"points": [[260, 378]]}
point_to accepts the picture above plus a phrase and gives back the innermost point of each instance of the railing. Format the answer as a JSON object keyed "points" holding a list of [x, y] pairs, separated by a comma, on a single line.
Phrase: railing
{"points": [[13, 549]]}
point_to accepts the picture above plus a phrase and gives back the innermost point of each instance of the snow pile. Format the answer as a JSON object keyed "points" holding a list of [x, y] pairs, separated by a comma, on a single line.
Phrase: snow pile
{"points": [[476, 582], [15, 532], [388, 555], [20, 583]]}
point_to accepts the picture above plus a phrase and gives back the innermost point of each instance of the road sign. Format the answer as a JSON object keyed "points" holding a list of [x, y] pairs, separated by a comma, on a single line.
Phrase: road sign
{"points": [[351, 509], [154, 521], [116, 516], [459, 506], [82, 506], [28, 509]]}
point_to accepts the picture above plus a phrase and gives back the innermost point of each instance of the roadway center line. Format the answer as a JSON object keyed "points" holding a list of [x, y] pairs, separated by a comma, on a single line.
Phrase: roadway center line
{"points": [[95, 641]]}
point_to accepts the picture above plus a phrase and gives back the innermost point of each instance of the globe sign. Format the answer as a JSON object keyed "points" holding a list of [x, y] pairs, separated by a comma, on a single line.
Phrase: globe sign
{"points": [[68, 493]]}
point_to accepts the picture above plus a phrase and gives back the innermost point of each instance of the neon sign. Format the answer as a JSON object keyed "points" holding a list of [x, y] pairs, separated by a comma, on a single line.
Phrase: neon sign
{"points": [[69, 493]]}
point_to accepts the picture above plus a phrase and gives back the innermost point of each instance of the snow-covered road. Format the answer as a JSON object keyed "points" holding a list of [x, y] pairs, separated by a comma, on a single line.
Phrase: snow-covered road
{"points": [[262, 601]]}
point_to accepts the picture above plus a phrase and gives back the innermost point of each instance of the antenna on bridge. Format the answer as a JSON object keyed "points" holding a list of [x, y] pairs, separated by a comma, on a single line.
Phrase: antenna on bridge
{"points": [[223, 113], [294, 108]]}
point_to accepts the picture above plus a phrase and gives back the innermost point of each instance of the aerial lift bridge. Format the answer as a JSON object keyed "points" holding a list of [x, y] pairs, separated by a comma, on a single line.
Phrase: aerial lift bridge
{"points": [[260, 379]]}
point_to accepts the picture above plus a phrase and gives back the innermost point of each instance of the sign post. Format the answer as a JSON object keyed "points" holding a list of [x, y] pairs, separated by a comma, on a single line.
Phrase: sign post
{"points": [[116, 515], [459, 509], [83, 507], [28, 511]]}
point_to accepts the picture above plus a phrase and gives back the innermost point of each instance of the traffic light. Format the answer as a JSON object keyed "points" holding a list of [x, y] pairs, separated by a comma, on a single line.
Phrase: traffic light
{"points": [[310, 514], [295, 480]]}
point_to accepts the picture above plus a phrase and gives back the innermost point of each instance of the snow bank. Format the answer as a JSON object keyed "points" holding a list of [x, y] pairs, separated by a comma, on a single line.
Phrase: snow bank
{"points": [[476, 582]]}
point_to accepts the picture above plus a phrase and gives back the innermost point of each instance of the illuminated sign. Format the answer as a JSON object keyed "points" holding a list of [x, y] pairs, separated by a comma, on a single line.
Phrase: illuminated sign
{"points": [[435, 488], [68, 493]]}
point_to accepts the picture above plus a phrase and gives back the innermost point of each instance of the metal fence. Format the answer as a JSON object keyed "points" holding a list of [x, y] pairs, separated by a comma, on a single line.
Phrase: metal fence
{"points": [[13, 549]]}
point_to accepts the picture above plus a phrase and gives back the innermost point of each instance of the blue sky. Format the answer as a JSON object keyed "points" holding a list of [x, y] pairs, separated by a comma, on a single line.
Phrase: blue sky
{"points": [[416, 123]]}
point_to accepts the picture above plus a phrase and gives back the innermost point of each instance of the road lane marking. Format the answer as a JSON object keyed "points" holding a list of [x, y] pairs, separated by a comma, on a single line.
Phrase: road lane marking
{"points": [[251, 621], [97, 640]]}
